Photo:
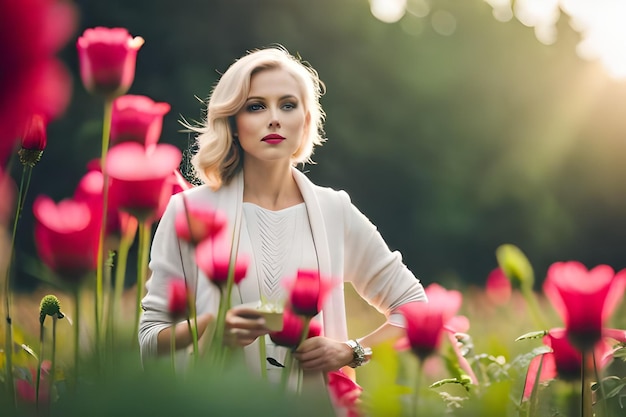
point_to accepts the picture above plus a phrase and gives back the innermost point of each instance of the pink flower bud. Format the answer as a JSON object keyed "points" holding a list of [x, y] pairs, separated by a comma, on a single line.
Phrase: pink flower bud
{"points": [[107, 58], [178, 300]]}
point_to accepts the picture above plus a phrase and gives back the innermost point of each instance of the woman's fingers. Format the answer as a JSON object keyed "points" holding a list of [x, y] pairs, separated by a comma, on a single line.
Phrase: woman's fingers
{"points": [[243, 326]]}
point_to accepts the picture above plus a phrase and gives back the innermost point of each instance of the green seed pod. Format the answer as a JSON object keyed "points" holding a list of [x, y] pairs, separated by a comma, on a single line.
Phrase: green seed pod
{"points": [[50, 306]]}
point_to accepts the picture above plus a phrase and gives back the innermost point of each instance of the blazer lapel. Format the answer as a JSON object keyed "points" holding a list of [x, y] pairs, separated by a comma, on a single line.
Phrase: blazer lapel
{"points": [[332, 327]]}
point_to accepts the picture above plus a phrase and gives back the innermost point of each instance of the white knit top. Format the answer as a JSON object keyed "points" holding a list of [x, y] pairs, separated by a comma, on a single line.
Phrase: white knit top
{"points": [[281, 243]]}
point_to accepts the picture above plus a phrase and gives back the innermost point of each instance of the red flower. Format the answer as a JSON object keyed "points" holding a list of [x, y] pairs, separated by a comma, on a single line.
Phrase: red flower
{"points": [[35, 137], [345, 392], [107, 58], [213, 258], [178, 300], [89, 190], [137, 119], [138, 177], [498, 287], [291, 333], [564, 362], [584, 298], [195, 224], [32, 79], [179, 183], [425, 320], [66, 237], [34, 140], [26, 390], [308, 292]]}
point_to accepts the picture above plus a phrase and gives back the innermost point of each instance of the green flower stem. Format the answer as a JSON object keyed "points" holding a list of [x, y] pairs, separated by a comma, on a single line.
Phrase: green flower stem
{"points": [[193, 330], [99, 296], [586, 408], [217, 344], [145, 232], [600, 384], [39, 362], [533, 306], [289, 363], [303, 337], [262, 357], [21, 197], [76, 334], [418, 386], [120, 273], [53, 357], [173, 347]]}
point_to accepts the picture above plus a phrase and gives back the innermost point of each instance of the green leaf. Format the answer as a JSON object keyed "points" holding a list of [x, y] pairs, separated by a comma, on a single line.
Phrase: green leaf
{"points": [[532, 335], [620, 352], [445, 381]]}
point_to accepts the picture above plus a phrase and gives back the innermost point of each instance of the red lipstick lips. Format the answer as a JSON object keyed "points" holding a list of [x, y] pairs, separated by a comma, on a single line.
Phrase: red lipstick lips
{"points": [[273, 139]]}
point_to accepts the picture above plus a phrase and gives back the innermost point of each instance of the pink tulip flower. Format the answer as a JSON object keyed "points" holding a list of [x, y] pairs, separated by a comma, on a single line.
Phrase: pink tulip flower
{"points": [[26, 390], [107, 59], [179, 183], [425, 320], [308, 292], [584, 299], [137, 119], [293, 326], [66, 237], [213, 258], [498, 287], [178, 298], [564, 362], [32, 79], [174, 184], [195, 224], [89, 190], [345, 392], [138, 177]]}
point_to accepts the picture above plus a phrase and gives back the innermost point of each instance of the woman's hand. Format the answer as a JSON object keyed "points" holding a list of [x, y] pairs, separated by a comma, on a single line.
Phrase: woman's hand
{"points": [[242, 326], [323, 354]]}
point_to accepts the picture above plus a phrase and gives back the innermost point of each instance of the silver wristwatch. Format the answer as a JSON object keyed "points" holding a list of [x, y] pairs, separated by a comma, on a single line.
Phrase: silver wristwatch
{"points": [[360, 354]]}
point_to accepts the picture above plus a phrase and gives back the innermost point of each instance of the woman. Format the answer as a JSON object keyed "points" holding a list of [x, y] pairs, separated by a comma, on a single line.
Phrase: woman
{"points": [[263, 118]]}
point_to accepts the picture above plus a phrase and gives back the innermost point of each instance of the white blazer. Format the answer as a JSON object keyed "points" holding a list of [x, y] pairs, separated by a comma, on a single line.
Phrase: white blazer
{"points": [[349, 249]]}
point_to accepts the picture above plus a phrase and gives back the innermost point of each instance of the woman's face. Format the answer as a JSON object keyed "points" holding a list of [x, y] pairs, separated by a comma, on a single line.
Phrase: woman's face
{"points": [[272, 123]]}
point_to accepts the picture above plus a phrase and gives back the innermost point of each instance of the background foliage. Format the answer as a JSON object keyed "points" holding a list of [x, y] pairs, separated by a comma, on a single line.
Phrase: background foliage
{"points": [[451, 144]]}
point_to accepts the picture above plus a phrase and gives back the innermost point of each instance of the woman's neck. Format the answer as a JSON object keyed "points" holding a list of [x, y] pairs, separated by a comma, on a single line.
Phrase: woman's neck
{"points": [[273, 188]]}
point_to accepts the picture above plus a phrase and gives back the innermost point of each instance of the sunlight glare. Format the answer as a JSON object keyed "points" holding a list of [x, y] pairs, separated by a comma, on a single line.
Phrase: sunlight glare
{"points": [[603, 32], [600, 24], [542, 15], [502, 11], [388, 11]]}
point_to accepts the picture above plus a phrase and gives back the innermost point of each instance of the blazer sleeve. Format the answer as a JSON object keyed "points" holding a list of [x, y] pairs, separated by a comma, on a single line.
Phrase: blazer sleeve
{"points": [[377, 273], [166, 262]]}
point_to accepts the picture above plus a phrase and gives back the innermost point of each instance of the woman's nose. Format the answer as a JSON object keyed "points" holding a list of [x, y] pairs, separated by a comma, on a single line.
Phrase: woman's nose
{"points": [[274, 122]]}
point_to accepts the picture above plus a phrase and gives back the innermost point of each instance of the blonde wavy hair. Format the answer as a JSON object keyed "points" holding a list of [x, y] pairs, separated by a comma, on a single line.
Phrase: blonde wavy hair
{"points": [[219, 157]]}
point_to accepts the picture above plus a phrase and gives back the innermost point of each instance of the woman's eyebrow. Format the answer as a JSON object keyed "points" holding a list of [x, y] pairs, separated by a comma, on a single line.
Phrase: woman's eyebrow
{"points": [[286, 96]]}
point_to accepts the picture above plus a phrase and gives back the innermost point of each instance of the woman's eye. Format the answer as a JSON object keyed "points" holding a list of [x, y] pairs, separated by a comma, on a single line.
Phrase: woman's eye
{"points": [[254, 107], [289, 106]]}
